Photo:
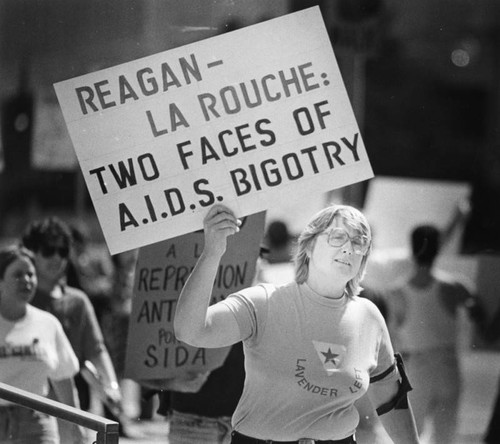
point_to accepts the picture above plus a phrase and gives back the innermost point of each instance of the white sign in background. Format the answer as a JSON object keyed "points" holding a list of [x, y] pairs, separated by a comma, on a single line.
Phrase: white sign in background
{"points": [[247, 118], [396, 205]]}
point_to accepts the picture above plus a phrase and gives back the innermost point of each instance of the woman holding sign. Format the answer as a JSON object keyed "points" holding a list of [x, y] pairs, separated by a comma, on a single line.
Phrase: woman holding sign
{"points": [[313, 348]]}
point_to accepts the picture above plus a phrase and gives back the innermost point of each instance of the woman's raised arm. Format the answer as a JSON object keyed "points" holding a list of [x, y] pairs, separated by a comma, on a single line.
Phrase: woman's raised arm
{"points": [[195, 322]]}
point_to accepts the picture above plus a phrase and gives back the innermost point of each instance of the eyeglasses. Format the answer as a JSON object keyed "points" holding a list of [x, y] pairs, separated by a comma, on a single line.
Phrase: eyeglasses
{"points": [[49, 251], [337, 237]]}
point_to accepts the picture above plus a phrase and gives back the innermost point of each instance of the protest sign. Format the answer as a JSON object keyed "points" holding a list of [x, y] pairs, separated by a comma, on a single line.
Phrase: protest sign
{"points": [[247, 118], [396, 205], [153, 352]]}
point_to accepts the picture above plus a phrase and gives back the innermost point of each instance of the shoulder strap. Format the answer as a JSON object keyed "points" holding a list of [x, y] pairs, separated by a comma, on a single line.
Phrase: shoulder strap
{"points": [[400, 401]]}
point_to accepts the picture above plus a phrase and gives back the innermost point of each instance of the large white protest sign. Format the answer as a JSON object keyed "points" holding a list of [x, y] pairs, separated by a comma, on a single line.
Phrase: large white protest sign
{"points": [[153, 352], [396, 205], [247, 118]]}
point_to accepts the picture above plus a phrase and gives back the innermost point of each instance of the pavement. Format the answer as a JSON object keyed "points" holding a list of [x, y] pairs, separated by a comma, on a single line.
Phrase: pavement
{"points": [[481, 377]]}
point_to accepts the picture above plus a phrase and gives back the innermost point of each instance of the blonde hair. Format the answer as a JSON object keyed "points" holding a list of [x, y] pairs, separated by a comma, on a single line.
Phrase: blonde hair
{"points": [[321, 221]]}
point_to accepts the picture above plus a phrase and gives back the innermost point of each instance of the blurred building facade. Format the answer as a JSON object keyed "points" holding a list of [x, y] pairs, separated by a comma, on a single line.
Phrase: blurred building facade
{"points": [[427, 90], [423, 79]]}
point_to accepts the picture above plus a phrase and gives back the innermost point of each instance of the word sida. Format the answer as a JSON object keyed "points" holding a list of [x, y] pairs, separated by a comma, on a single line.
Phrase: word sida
{"points": [[174, 357]]}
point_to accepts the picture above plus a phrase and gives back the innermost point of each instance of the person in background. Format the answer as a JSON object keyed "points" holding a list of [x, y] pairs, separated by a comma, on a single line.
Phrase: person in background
{"points": [[33, 352], [50, 240], [89, 269], [388, 267], [491, 332], [203, 415], [378, 299], [115, 322], [423, 320], [313, 348], [116, 318], [279, 242]]}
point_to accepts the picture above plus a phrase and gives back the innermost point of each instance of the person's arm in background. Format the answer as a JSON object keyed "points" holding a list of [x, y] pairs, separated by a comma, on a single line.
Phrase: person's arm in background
{"points": [[105, 369], [95, 351], [476, 312], [457, 221], [66, 393], [370, 429], [458, 294]]}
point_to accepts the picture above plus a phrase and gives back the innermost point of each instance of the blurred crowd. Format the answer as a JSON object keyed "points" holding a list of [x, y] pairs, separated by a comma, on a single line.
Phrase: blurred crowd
{"points": [[60, 271]]}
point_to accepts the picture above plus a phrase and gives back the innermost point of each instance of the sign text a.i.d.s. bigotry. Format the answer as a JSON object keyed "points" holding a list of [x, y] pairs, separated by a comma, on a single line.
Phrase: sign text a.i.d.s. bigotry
{"points": [[245, 118]]}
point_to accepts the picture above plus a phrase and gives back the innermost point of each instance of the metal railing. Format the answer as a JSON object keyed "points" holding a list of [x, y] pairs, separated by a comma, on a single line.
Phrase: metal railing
{"points": [[107, 430]]}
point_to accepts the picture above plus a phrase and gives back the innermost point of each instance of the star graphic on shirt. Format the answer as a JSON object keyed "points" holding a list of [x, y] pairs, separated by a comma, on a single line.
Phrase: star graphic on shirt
{"points": [[330, 356]]}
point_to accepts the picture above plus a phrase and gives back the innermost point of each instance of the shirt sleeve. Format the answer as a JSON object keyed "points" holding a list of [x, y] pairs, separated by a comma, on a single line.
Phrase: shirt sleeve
{"points": [[385, 369], [249, 306], [67, 365]]}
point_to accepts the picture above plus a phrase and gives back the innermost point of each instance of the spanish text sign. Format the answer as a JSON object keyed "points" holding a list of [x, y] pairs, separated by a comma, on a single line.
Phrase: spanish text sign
{"points": [[245, 118], [153, 352]]}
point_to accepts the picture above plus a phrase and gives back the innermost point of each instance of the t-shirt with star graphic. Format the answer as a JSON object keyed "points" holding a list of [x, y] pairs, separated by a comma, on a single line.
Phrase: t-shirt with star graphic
{"points": [[308, 358]]}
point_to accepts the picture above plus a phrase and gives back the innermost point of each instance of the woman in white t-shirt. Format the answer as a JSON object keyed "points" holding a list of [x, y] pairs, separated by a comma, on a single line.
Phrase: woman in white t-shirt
{"points": [[313, 348], [34, 351]]}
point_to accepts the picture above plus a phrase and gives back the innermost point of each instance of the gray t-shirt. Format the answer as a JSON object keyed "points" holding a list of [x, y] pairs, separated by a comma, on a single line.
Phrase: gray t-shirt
{"points": [[307, 360]]}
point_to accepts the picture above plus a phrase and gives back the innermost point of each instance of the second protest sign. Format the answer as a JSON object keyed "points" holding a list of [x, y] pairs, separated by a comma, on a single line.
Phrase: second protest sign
{"points": [[153, 352]]}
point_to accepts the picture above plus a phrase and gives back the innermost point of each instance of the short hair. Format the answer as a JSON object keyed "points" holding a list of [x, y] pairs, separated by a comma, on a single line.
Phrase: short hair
{"points": [[78, 236], [49, 230], [10, 254], [277, 234], [320, 222], [425, 240]]}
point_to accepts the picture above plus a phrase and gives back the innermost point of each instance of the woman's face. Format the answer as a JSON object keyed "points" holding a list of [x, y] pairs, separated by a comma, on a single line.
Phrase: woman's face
{"points": [[52, 260], [19, 282], [342, 261]]}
